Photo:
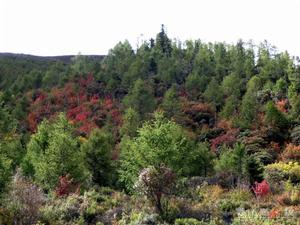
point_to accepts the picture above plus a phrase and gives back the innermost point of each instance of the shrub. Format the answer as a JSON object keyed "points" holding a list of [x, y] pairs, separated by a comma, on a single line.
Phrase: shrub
{"points": [[276, 173], [5, 171], [66, 186], [261, 189], [156, 183], [226, 205], [188, 221], [24, 200], [6, 217], [226, 139], [141, 218], [235, 162], [274, 117], [159, 141], [249, 217], [240, 195], [53, 151], [97, 152], [291, 153], [295, 135]]}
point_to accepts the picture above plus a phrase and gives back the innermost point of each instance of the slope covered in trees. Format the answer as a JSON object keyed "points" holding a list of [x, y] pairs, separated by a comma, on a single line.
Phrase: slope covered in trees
{"points": [[209, 133]]}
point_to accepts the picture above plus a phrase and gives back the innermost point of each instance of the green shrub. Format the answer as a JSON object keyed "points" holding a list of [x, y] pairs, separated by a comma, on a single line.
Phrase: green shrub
{"points": [[192, 221], [188, 221], [53, 152], [253, 217], [277, 173], [227, 205], [139, 218]]}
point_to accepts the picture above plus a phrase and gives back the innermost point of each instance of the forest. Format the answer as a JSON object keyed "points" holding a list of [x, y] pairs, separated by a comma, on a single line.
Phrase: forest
{"points": [[172, 132]]}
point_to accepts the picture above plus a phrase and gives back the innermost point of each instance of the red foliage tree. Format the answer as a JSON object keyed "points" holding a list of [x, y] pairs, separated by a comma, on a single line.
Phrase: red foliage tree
{"points": [[79, 100], [261, 189], [66, 186], [225, 139]]}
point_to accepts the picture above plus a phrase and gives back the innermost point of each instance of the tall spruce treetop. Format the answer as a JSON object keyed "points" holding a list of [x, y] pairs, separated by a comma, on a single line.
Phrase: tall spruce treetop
{"points": [[163, 43]]}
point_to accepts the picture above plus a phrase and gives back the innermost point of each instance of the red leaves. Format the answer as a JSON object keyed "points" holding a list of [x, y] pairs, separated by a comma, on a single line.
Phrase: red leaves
{"points": [[94, 99], [84, 108], [261, 189], [66, 186], [228, 139]]}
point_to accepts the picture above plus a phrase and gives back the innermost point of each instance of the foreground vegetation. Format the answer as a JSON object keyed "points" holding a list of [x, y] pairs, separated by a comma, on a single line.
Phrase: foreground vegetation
{"points": [[169, 133]]}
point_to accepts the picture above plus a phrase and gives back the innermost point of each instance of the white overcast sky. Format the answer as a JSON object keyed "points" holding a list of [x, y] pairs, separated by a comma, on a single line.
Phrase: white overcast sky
{"points": [[57, 27]]}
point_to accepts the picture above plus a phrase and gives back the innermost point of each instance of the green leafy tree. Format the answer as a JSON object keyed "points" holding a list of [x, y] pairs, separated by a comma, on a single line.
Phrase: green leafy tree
{"points": [[131, 123], [97, 152], [115, 65], [204, 64], [205, 160], [274, 117], [159, 141], [171, 104], [80, 65], [235, 162], [5, 171], [249, 109], [53, 152], [195, 84], [230, 107], [140, 98], [213, 94], [232, 85]]}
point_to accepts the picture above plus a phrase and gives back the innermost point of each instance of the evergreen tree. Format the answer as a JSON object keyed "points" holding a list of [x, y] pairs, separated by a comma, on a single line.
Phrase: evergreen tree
{"points": [[140, 98], [171, 104], [131, 123], [213, 94], [97, 152], [160, 141], [274, 117], [53, 152]]}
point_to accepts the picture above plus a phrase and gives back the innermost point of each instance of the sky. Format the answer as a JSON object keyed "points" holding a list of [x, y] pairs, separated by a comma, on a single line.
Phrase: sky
{"points": [[63, 27]]}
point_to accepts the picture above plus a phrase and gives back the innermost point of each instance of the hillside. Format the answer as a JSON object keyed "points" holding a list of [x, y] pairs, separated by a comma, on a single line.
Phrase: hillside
{"points": [[170, 133]]}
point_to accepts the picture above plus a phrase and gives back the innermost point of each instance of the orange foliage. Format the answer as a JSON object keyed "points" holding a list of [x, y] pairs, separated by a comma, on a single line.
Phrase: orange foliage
{"points": [[291, 152], [274, 213], [281, 105]]}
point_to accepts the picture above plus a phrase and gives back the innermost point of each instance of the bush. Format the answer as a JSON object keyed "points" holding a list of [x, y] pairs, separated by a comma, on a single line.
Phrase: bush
{"points": [[291, 153], [295, 135], [52, 152], [5, 171], [249, 217], [140, 218], [156, 183], [66, 186], [240, 197], [276, 173], [261, 189], [235, 162], [226, 205], [6, 217], [24, 200], [160, 141], [274, 117], [188, 221]]}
